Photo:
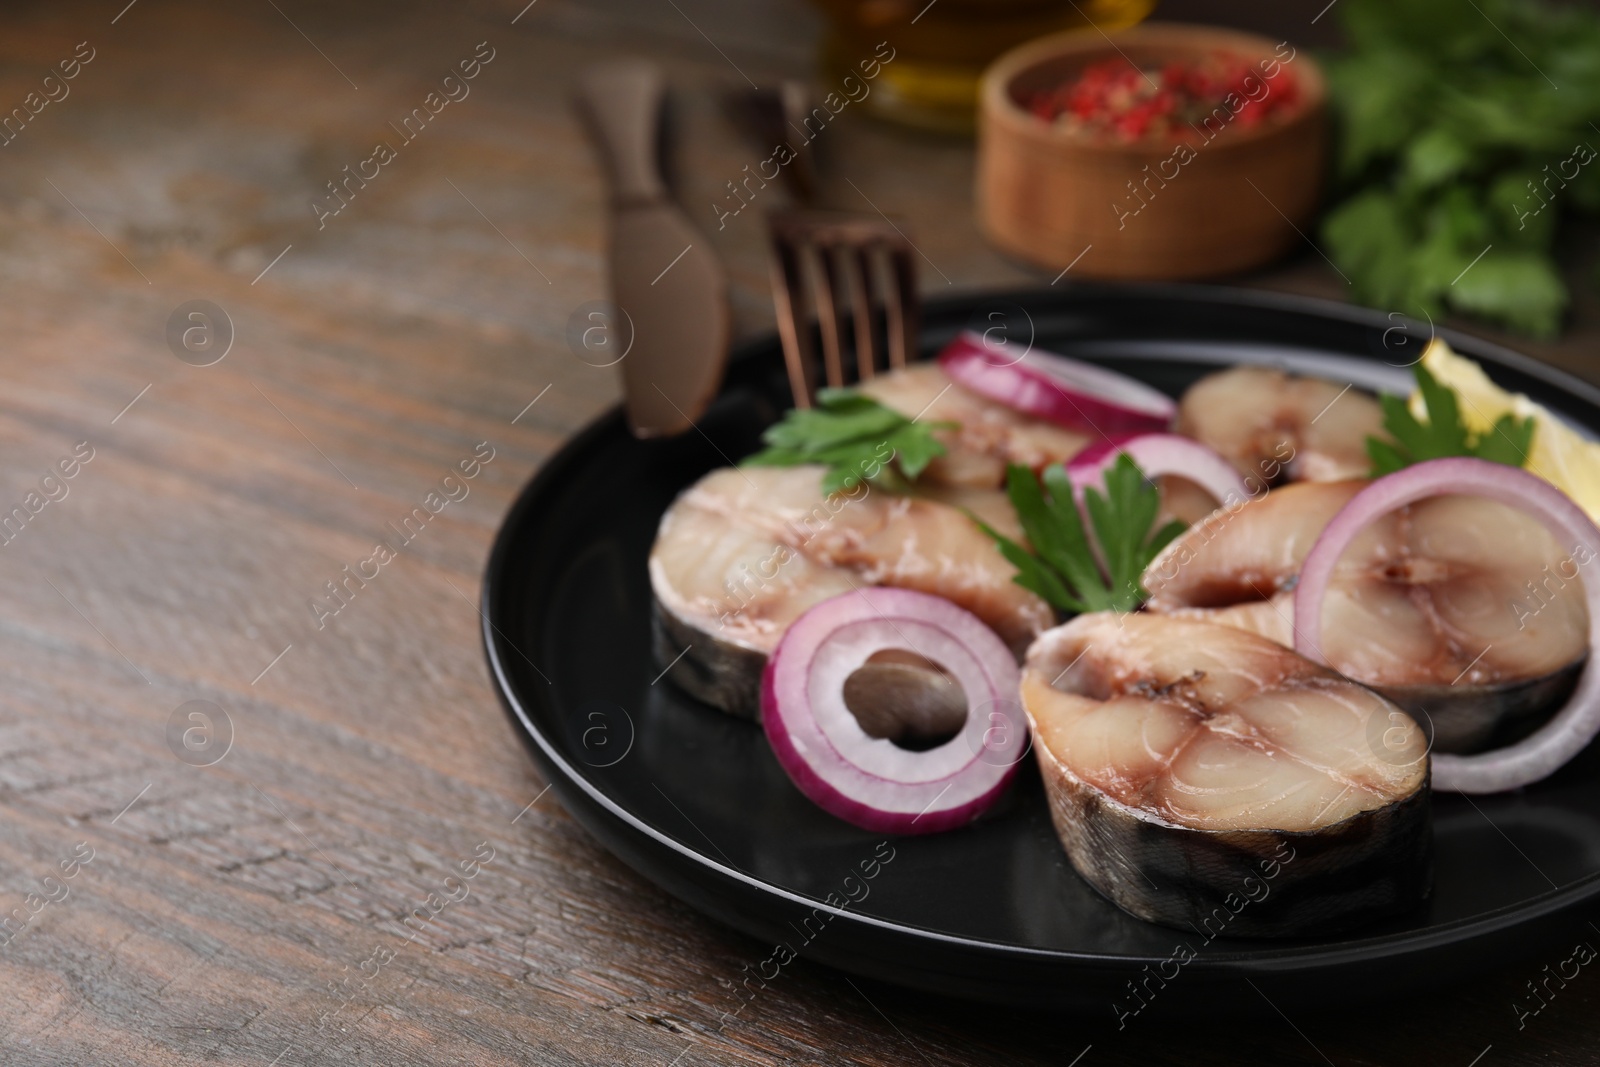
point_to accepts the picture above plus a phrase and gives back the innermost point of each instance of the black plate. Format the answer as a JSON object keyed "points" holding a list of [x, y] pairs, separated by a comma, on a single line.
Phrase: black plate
{"points": [[695, 801]]}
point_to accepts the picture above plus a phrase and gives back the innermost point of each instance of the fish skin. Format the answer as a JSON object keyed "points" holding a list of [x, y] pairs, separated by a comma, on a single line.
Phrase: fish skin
{"points": [[1166, 866], [724, 674], [1371, 866], [1464, 720]]}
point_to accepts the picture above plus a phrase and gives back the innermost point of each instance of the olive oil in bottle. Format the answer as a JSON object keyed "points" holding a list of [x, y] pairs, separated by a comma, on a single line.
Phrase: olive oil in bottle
{"points": [[942, 47]]}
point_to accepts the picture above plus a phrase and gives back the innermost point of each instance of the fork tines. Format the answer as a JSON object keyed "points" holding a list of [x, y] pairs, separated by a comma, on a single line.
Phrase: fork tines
{"points": [[841, 263]]}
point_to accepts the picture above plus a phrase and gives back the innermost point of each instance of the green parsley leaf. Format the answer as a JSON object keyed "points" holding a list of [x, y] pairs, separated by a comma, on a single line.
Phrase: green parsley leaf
{"points": [[1063, 567], [1444, 433], [855, 437]]}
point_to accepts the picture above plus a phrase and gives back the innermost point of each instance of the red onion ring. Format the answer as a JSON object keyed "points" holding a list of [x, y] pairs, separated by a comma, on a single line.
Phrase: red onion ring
{"points": [[1575, 725], [1080, 396], [869, 781], [1158, 454]]}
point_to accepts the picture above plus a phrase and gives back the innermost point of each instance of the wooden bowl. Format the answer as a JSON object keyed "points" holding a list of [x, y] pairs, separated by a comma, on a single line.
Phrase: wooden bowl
{"points": [[1239, 198]]}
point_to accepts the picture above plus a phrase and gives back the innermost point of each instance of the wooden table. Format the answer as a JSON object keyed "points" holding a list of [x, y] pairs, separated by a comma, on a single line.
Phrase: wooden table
{"points": [[250, 868]]}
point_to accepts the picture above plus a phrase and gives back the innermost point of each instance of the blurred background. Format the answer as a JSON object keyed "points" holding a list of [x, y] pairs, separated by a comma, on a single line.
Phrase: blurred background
{"points": [[205, 137]]}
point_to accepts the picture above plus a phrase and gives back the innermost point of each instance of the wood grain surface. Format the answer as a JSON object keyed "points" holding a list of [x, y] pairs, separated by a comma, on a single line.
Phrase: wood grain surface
{"points": [[252, 911]]}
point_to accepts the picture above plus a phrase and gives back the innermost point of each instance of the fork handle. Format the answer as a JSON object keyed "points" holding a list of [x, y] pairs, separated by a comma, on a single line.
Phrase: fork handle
{"points": [[623, 100]]}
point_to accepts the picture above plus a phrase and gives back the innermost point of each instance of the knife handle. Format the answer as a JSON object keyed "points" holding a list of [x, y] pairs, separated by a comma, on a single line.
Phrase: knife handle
{"points": [[623, 99]]}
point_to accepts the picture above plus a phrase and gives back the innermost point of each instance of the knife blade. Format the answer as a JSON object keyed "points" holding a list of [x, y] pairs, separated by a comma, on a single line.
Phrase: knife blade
{"points": [[666, 281]]}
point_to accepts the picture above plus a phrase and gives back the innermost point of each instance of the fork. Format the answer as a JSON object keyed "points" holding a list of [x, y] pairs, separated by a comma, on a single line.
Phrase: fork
{"points": [[838, 261]]}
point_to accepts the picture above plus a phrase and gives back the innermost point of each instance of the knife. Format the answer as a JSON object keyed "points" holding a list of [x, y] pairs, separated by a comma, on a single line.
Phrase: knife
{"points": [[665, 280]]}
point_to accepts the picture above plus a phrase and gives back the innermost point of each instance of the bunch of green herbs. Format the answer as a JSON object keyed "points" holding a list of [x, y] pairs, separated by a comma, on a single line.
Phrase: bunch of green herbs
{"points": [[1466, 130]]}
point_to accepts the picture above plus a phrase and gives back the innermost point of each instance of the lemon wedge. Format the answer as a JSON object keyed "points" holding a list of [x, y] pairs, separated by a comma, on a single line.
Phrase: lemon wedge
{"points": [[1558, 454]]}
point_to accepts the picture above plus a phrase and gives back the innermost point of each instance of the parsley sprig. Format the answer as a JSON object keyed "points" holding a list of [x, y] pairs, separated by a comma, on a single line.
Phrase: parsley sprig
{"points": [[855, 437], [1444, 433], [1063, 567]]}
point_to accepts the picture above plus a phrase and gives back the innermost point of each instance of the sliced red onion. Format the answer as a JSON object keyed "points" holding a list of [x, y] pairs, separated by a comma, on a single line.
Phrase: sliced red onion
{"points": [[1572, 728], [1074, 394], [871, 782], [1158, 454]]}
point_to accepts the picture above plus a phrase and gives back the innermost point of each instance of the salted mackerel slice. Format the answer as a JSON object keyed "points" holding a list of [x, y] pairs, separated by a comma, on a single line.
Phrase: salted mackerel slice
{"points": [[744, 551], [1464, 611], [1212, 780], [1276, 427]]}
